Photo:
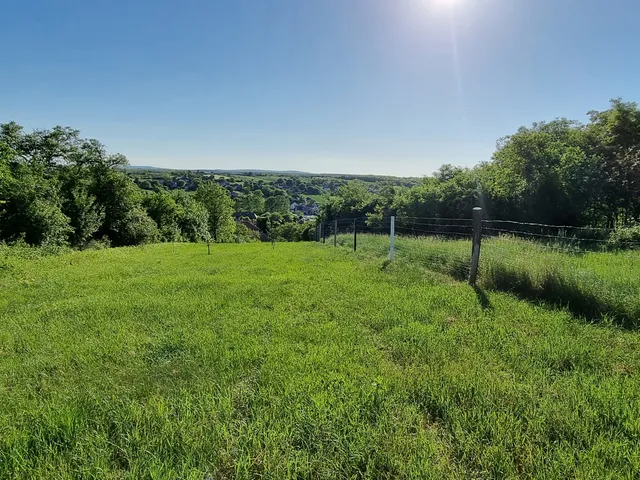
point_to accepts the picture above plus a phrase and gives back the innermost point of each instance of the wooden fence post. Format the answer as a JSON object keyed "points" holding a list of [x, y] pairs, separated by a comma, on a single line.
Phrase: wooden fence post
{"points": [[322, 233], [335, 233], [392, 249], [475, 249], [355, 235]]}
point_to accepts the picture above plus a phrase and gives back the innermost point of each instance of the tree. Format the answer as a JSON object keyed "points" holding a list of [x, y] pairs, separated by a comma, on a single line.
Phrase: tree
{"points": [[136, 228], [30, 208], [220, 208], [525, 180], [615, 139], [278, 204], [162, 207], [251, 202], [118, 196], [355, 197], [85, 214], [193, 217]]}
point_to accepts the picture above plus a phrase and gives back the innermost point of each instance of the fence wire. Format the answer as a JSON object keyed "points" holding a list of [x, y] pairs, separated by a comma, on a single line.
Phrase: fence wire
{"points": [[578, 268]]}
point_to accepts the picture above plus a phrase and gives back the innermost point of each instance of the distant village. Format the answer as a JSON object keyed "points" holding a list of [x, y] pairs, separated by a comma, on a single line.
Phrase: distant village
{"points": [[297, 194]]}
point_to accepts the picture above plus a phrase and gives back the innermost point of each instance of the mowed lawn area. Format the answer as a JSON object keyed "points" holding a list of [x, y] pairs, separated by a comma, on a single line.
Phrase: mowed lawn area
{"points": [[300, 361]]}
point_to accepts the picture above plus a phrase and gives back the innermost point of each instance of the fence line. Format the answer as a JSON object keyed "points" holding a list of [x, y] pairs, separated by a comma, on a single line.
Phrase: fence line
{"points": [[565, 227], [473, 229]]}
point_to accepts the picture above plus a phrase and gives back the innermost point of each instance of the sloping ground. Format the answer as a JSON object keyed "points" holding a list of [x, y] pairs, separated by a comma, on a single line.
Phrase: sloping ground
{"points": [[597, 286], [299, 361]]}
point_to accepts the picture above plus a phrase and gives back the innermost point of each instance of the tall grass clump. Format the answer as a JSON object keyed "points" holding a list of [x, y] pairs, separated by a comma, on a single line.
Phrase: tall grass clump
{"points": [[436, 253], [594, 285]]}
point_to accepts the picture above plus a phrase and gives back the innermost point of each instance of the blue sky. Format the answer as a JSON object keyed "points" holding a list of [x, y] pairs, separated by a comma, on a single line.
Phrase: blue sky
{"points": [[351, 86]]}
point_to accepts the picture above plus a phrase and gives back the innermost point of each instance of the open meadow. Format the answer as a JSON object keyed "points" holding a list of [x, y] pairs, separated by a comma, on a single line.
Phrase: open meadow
{"points": [[307, 361]]}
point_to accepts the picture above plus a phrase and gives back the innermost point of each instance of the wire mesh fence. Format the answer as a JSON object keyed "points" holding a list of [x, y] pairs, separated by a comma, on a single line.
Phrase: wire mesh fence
{"points": [[575, 267]]}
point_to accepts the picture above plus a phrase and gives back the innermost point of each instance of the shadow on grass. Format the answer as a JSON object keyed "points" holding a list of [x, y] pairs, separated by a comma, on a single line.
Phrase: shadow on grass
{"points": [[483, 299], [443, 262], [585, 297]]}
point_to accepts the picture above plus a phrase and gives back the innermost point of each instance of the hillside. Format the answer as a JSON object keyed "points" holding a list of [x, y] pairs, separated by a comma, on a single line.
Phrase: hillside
{"points": [[299, 361]]}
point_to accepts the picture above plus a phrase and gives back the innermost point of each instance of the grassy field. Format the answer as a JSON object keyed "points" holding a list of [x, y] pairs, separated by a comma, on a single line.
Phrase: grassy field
{"points": [[302, 361], [598, 286]]}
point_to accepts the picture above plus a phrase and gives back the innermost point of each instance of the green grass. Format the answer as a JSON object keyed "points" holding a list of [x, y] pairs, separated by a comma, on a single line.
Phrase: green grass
{"points": [[596, 286], [302, 361]]}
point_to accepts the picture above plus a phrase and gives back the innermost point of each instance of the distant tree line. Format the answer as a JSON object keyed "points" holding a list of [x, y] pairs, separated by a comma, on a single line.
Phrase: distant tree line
{"points": [[560, 172]]}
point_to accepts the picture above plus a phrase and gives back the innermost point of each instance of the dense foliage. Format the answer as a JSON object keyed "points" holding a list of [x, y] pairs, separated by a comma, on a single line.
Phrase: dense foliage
{"points": [[57, 188], [559, 172]]}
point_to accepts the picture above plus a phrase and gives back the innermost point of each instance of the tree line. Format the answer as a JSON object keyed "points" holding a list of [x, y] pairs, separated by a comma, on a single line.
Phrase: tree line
{"points": [[57, 189], [561, 172]]}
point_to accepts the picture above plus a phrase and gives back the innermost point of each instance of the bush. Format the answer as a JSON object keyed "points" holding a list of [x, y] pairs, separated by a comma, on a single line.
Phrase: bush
{"points": [[48, 225], [94, 244], [137, 228], [85, 216], [293, 232], [625, 238], [193, 218], [164, 210]]}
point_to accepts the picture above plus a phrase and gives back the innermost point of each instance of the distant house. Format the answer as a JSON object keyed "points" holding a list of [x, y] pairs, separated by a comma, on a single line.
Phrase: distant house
{"points": [[305, 209]]}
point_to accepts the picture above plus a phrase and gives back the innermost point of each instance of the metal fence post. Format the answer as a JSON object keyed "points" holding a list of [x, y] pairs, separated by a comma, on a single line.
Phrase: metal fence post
{"points": [[392, 252], [475, 249], [335, 233], [355, 235]]}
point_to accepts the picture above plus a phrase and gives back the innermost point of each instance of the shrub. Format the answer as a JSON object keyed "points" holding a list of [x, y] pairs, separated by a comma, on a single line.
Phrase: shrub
{"points": [[48, 226], [193, 218], [137, 228], [293, 232], [625, 238]]}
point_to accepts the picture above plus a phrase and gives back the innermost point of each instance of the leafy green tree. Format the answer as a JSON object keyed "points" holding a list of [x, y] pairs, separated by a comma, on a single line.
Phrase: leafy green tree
{"points": [[355, 197], [118, 196], [145, 185], [615, 135], [525, 179], [136, 228], [252, 202], [162, 207], [220, 208], [85, 214], [193, 217], [30, 208], [278, 204], [48, 225], [293, 232]]}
